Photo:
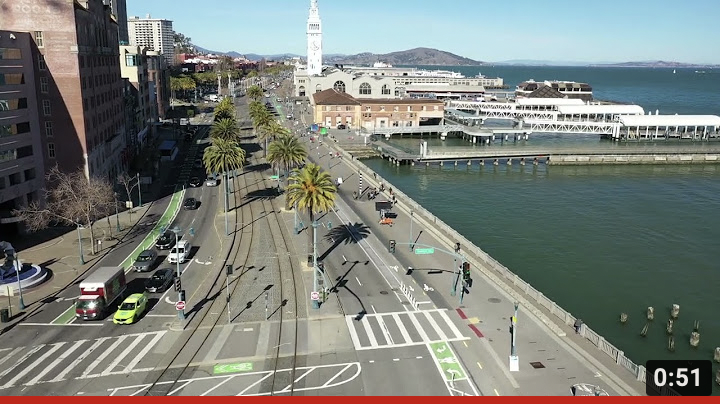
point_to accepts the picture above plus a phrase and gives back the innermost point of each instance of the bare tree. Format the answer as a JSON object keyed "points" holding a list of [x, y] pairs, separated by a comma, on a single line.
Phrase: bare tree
{"points": [[72, 200], [130, 183]]}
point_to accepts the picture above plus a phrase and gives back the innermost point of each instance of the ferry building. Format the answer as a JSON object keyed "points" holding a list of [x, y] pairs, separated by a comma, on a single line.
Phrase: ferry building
{"points": [[380, 81]]}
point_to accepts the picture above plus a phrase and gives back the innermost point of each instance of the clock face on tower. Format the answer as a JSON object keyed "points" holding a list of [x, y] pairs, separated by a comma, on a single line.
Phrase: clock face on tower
{"points": [[314, 45]]}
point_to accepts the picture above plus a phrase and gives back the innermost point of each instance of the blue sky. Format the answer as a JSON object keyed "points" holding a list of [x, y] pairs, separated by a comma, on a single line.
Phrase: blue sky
{"points": [[559, 30]]}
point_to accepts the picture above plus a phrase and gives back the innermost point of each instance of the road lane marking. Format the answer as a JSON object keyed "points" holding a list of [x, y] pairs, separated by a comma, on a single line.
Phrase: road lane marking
{"points": [[57, 361], [358, 281], [353, 333], [21, 360], [496, 392], [369, 332], [216, 386], [255, 384], [419, 328], [120, 357], [435, 326], [386, 332], [32, 366], [10, 355], [479, 365], [85, 354], [102, 357], [401, 326], [327, 383], [65, 316], [450, 324], [465, 343]]}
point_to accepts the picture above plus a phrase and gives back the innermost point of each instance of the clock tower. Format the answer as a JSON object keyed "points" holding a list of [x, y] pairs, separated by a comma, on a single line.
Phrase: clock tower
{"points": [[314, 41]]}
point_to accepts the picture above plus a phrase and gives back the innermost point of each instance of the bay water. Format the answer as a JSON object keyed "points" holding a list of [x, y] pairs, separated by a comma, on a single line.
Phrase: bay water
{"points": [[598, 240]]}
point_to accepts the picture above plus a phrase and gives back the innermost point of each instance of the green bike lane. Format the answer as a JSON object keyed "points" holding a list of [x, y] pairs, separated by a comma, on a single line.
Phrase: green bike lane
{"points": [[168, 216]]}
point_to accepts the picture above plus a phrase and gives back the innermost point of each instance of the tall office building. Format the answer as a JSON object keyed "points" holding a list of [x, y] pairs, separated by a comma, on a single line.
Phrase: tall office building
{"points": [[79, 88], [119, 10], [153, 33], [21, 150]]}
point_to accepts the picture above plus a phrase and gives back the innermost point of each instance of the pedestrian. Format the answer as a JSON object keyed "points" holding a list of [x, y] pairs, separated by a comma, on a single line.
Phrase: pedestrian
{"points": [[390, 189], [375, 175]]}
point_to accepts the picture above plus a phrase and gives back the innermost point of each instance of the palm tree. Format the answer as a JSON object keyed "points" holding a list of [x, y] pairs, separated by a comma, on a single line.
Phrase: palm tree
{"points": [[261, 119], [312, 190], [221, 157], [286, 152], [224, 110], [226, 129], [255, 93]]}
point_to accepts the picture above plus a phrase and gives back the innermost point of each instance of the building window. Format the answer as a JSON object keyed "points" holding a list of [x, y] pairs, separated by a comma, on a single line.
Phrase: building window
{"points": [[382, 108], [396, 109], [47, 111], [48, 129], [436, 107], [14, 129], [368, 109], [13, 104], [44, 85], [11, 78], [424, 107], [39, 39], [365, 89], [385, 90], [41, 62], [10, 54], [51, 150], [339, 86], [301, 91], [409, 108]]}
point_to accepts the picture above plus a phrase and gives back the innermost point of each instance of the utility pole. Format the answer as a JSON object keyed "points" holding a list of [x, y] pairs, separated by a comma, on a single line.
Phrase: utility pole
{"points": [[82, 259], [21, 304], [315, 303], [410, 240], [117, 215], [139, 191], [514, 361], [228, 272], [178, 284]]}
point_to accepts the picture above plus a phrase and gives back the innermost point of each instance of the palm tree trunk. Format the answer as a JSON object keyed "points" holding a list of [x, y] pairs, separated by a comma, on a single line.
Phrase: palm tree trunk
{"points": [[311, 234]]}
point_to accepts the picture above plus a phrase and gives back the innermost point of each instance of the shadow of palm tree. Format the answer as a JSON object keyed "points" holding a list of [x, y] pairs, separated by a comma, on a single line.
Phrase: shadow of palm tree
{"points": [[267, 194], [347, 233], [250, 147], [257, 167]]}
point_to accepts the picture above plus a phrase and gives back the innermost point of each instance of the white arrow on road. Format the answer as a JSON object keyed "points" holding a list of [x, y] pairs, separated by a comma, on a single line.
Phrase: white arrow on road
{"points": [[168, 301], [411, 288], [202, 263], [441, 349], [427, 288]]}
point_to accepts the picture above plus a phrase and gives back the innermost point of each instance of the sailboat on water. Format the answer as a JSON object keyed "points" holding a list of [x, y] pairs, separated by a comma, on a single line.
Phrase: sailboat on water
{"points": [[674, 71]]}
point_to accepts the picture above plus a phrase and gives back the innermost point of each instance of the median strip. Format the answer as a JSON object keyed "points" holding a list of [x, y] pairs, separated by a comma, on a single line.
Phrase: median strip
{"points": [[165, 220]]}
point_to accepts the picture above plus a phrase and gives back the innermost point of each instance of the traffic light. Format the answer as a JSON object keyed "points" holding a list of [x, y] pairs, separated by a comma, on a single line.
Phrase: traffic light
{"points": [[391, 248], [466, 271], [228, 270], [178, 285], [182, 295]]}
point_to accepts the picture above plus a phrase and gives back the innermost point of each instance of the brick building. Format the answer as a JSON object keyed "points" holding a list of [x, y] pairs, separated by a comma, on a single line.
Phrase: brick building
{"points": [[77, 76], [332, 108], [21, 145]]}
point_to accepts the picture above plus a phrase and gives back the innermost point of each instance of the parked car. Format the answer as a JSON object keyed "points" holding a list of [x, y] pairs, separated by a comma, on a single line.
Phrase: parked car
{"points": [[145, 261], [131, 309], [195, 182], [190, 204], [166, 241], [341, 126], [160, 281]]}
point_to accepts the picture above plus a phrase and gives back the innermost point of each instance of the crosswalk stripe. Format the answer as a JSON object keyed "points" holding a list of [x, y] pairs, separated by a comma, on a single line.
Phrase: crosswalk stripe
{"points": [[32, 366], [21, 360], [54, 363], [402, 328], [450, 324], [419, 328], [435, 325], [122, 356], [82, 357], [369, 332], [102, 357], [353, 333], [11, 354], [385, 331], [129, 368]]}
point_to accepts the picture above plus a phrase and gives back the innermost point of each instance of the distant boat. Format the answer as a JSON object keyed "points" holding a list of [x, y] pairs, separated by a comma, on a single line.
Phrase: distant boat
{"points": [[700, 71], [674, 71]]}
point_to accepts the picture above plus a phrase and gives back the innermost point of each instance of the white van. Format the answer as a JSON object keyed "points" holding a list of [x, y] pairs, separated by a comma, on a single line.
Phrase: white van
{"points": [[181, 252]]}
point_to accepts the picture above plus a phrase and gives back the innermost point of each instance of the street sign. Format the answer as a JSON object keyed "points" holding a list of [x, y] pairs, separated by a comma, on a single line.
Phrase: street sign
{"points": [[179, 306], [274, 177], [314, 296], [424, 251]]}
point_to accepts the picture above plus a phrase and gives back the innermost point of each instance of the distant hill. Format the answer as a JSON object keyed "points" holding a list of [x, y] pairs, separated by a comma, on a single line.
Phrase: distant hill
{"points": [[417, 56], [657, 64], [249, 56]]}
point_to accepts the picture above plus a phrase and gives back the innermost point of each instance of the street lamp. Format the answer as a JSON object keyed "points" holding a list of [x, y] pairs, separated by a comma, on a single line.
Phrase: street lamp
{"points": [[21, 304], [315, 303], [79, 226], [139, 191], [177, 230], [410, 241], [117, 215]]}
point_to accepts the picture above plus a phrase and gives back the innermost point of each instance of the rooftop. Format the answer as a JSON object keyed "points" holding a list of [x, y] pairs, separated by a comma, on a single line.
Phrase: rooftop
{"points": [[444, 88], [601, 109], [334, 97], [549, 101], [670, 120]]}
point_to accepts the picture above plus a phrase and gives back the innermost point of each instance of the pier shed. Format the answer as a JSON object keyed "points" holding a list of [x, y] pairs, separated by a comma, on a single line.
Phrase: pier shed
{"points": [[694, 127], [596, 112]]}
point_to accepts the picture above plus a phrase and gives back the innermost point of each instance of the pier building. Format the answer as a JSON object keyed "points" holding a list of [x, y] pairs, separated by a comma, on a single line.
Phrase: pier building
{"points": [[333, 108], [569, 89]]}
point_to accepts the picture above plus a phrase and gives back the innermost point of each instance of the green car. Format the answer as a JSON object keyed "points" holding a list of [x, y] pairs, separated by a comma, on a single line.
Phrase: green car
{"points": [[131, 309]]}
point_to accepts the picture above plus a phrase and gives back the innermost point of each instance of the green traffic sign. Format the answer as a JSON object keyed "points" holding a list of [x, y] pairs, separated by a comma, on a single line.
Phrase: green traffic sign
{"points": [[424, 251], [274, 177], [233, 368]]}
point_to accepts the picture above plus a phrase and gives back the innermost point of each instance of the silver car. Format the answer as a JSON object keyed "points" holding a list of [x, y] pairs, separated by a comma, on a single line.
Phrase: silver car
{"points": [[145, 261]]}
